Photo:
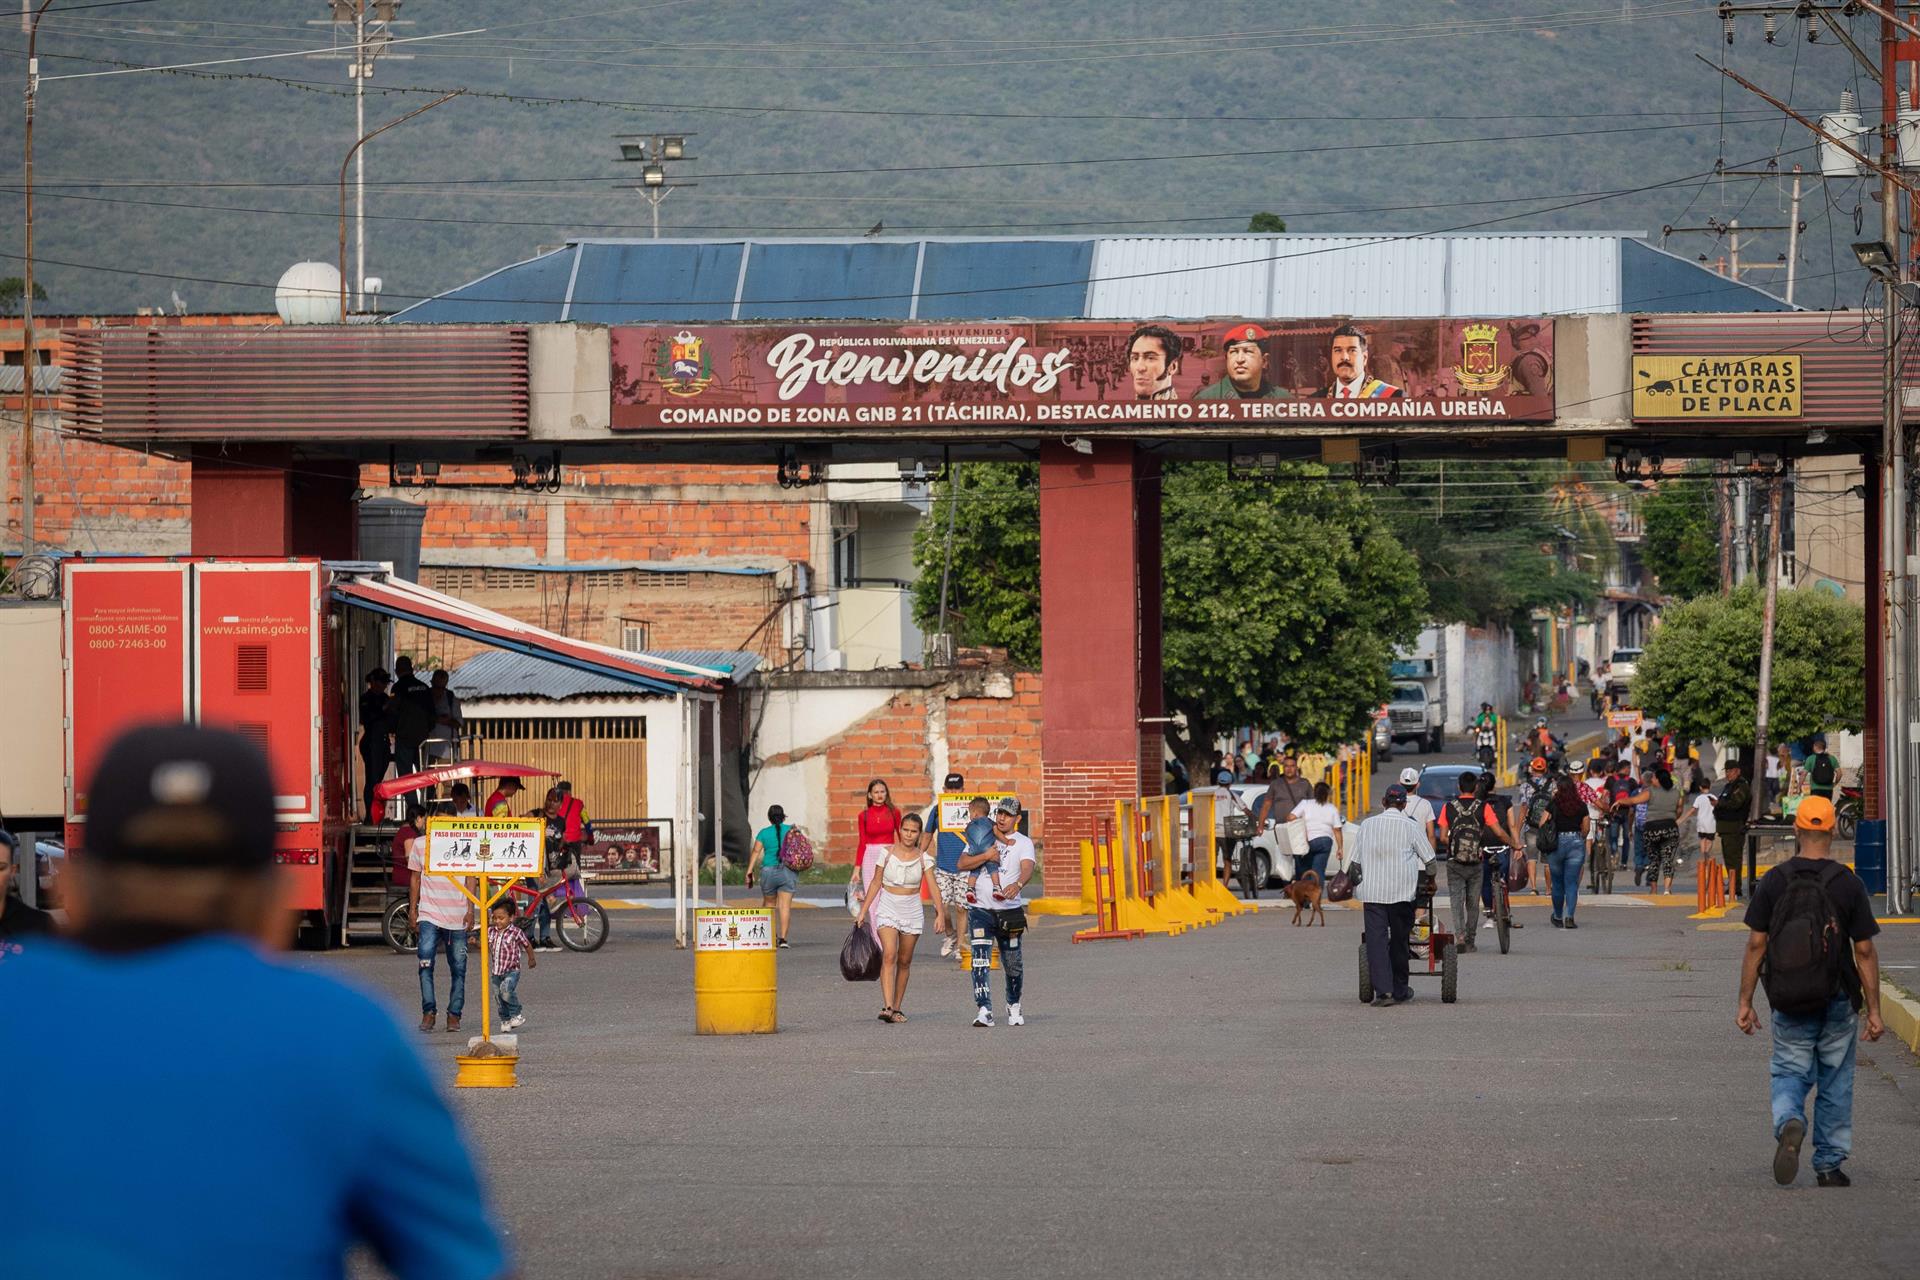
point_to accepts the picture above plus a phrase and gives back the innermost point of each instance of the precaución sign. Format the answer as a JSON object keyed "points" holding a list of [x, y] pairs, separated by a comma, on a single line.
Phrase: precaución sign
{"points": [[1720, 386], [486, 846], [732, 929]]}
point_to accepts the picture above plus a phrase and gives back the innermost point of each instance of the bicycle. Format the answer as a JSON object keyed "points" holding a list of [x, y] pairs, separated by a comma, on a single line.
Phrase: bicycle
{"points": [[1502, 910], [1600, 864], [580, 921]]}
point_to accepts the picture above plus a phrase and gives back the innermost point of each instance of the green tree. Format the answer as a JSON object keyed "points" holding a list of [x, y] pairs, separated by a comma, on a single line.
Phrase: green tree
{"points": [[1683, 536], [13, 289], [1701, 671], [1491, 539], [1266, 222], [1283, 602], [993, 588]]}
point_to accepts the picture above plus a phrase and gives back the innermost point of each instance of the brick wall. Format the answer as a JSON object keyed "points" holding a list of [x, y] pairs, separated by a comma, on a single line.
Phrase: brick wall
{"points": [[1079, 794], [680, 610], [890, 743], [995, 743]]}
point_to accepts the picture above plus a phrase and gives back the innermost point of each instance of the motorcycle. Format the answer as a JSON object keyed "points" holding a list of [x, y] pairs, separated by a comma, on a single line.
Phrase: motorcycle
{"points": [[1484, 748], [1848, 808]]}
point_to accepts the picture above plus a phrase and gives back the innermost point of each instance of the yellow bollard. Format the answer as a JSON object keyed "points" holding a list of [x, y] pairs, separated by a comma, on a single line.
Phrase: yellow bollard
{"points": [[735, 974]]}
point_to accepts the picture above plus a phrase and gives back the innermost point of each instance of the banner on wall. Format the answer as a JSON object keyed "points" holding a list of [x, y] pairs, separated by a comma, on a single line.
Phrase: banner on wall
{"points": [[1082, 374]]}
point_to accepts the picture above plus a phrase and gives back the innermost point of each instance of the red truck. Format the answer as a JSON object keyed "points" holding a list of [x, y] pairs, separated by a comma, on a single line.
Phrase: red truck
{"points": [[249, 645]]}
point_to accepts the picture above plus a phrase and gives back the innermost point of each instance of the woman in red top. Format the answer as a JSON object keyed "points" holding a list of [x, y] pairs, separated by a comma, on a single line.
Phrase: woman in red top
{"points": [[874, 834]]}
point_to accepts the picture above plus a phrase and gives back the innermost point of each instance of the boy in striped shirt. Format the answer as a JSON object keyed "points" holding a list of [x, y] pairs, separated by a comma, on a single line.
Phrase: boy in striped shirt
{"points": [[510, 951]]}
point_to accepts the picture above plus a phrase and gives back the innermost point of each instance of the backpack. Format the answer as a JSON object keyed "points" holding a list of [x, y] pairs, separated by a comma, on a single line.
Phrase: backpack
{"points": [[1465, 830], [1804, 944], [1822, 771], [796, 851]]}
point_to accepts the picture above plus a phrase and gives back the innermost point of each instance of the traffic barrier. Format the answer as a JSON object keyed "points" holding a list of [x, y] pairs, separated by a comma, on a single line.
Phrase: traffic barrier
{"points": [[1203, 857], [1097, 855], [1159, 827], [1136, 881], [1710, 891]]}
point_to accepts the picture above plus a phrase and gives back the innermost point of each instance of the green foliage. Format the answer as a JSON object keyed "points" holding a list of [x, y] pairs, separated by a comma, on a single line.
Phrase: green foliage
{"points": [[1701, 671], [1683, 539], [993, 595], [1489, 536], [13, 289], [1267, 222], [1283, 602], [1463, 103]]}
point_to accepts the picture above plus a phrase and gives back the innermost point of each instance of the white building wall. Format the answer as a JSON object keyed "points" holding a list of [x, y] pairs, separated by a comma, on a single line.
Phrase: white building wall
{"points": [[797, 723]]}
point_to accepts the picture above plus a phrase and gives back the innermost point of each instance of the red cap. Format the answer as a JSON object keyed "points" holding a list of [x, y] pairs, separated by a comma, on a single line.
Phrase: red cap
{"points": [[1244, 333]]}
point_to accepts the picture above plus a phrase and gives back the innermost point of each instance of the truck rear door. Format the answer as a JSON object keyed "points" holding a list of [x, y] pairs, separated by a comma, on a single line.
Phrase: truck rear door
{"points": [[257, 670], [128, 661]]}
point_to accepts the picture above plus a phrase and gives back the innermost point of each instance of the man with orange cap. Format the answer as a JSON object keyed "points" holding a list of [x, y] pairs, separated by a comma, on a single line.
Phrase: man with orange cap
{"points": [[1811, 936], [1245, 347]]}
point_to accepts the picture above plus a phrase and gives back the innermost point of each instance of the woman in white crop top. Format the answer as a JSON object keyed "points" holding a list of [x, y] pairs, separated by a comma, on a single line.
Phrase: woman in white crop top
{"points": [[893, 898]]}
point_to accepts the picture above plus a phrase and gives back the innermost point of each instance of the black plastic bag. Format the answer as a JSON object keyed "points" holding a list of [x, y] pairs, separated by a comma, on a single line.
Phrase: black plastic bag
{"points": [[860, 956]]}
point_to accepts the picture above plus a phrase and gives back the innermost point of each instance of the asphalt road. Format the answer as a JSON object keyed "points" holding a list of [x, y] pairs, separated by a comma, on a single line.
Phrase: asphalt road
{"points": [[1218, 1103]]}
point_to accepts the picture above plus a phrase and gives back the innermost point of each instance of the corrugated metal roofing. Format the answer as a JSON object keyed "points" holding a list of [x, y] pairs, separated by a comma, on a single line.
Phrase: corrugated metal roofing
{"points": [[1095, 277], [498, 673]]}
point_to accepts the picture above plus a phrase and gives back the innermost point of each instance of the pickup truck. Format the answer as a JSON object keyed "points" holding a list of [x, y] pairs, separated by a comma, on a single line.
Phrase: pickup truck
{"points": [[1620, 671], [1415, 715]]}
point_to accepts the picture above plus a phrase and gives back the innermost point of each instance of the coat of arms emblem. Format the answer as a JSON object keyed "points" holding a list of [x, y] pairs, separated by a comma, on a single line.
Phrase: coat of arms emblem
{"points": [[1480, 368], [685, 367]]}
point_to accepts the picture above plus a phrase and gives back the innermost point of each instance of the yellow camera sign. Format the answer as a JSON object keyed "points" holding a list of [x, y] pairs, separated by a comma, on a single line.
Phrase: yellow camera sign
{"points": [[1716, 387]]}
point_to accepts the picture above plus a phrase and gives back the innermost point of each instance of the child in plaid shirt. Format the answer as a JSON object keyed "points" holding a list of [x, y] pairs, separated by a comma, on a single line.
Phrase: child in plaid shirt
{"points": [[510, 951]]}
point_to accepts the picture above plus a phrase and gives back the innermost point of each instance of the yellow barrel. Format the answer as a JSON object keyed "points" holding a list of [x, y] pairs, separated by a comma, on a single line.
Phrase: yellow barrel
{"points": [[735, 979]]}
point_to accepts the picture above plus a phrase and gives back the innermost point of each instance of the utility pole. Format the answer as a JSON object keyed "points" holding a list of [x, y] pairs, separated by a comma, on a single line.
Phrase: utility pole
{"points": [[373, 22], [30, 358], [1793, 236], [1763, 702], [654, 152], [1896, 716]]}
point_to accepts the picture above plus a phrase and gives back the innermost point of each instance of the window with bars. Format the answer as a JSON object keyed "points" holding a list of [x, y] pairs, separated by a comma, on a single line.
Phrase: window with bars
{"points": [[558, 728], [645, 580]]}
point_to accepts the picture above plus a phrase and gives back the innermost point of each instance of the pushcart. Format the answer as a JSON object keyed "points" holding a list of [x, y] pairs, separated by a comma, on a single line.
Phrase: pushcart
{"points": [[1432, 945]]}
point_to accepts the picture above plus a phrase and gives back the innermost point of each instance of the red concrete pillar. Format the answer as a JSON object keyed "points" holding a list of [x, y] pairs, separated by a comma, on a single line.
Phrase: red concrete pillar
{"points": [[1100, 662], [263, 500], [1146, 499]]}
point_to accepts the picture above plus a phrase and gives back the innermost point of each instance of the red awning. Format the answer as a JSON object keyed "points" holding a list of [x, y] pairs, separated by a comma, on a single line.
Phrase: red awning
{"points": [[462, 772], [411, 602]]}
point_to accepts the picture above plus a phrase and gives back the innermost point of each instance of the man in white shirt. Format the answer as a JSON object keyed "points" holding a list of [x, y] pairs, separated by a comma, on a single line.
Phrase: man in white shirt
{"points": [[1419, 808], [1392, 852], [441, 914], [999, 916]]}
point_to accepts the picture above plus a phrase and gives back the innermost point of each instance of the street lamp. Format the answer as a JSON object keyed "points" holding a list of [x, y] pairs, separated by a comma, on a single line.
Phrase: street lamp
{"points": [[353, 151], [652, 151]]}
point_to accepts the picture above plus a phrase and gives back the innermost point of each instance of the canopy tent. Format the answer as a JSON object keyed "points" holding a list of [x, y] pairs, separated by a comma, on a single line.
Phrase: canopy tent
{"points": [[410, 602], [464, 771]]}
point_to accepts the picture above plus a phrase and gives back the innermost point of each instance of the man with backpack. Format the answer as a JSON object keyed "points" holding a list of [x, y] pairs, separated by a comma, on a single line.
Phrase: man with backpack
{"points": [[1812, 942], [1468, 825], [1823, 771]]}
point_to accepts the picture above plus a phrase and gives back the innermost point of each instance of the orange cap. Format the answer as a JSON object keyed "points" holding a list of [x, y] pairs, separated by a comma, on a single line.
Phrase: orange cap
{"points": [[1814, 814]]}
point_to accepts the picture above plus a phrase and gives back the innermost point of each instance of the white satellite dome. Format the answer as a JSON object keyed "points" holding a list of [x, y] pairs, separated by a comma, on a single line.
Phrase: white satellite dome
{"points": [[309, 293]]}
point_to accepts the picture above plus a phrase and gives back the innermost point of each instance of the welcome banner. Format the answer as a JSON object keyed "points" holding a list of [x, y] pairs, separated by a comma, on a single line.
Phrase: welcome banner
{"points": [[1082, 373]]}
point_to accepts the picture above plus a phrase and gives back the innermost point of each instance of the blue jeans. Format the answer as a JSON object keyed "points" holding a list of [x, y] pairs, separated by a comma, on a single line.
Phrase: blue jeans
{"points": [[1563, 870], [1319, 849], [983, 928], [1500, 860], [507, 987], [431, 937], [1639, 839], [1816, 1052]]}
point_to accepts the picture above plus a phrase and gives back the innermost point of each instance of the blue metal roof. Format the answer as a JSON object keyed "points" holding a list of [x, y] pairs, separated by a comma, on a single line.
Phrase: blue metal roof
{"points": [[1096, 277], [500, 673]]}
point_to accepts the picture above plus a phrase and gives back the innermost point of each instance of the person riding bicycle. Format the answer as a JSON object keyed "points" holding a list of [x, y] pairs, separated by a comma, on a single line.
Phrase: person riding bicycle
{"points": [[566, 831]]}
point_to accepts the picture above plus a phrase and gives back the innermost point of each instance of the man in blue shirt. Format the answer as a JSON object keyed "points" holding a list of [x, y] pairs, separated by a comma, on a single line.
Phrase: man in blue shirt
{"points": [[265, 1119]]}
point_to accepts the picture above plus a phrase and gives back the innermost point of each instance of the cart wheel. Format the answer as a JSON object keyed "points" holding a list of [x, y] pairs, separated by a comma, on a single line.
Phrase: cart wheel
{"points": [[1366, 979], [1449, 974]]}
